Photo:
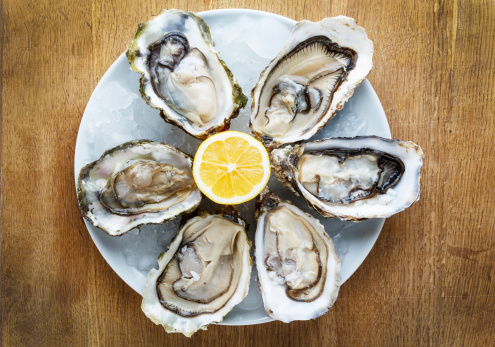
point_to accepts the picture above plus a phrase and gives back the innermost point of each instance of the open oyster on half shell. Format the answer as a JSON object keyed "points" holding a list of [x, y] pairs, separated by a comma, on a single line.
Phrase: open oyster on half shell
{"points": [[136, 183], [309, 80], [202, 276], [298, 267], [352, 178], [182, 74]]}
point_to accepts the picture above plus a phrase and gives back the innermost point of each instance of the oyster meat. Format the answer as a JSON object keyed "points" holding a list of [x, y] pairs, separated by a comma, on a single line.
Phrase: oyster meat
{"points": [[352, 178], [310, 79], [201, 277], [136, 183], [182, 74], [298, 267]]}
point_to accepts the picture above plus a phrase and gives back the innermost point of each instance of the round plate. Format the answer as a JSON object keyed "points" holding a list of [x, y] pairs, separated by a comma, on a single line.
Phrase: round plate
{"points": [[247, 41]]}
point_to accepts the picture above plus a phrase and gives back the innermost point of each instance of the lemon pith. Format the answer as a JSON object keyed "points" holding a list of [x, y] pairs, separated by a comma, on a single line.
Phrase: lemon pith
{"points": [[231, 167]]}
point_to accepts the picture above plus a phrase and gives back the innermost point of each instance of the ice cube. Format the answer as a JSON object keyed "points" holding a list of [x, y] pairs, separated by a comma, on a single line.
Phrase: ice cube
{"points": [[253, 301], [278, 36]]}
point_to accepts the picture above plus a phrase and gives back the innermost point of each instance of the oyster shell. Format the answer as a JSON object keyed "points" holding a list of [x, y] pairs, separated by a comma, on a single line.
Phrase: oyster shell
{"points": [[182, 74], [298, 267], [352, 178], [138, 182], [201, 277], [309, 80]]}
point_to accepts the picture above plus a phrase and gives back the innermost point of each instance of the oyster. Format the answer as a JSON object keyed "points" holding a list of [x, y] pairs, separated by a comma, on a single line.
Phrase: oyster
{"points": [[201, 277], [352, 178], [182, 74], [136, 183], [309, 80], [298, 267]]}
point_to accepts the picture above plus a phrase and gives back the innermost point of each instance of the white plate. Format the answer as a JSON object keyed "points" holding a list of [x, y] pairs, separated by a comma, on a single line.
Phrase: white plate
{"points": [[247, 40]]}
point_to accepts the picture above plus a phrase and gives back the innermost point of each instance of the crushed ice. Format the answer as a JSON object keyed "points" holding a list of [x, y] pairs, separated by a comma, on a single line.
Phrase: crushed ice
{"points": [[142, 246]]}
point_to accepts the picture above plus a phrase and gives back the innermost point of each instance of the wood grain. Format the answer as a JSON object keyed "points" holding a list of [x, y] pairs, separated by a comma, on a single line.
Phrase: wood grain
{"points": [[429, 280]]}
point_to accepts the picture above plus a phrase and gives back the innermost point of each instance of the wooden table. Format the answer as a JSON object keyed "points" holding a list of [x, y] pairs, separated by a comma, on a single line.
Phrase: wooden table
{"points": [[429, 280]]}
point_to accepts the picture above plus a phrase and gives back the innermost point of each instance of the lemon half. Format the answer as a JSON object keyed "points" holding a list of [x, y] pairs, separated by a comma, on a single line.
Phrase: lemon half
{"points": [[231, 167]]}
